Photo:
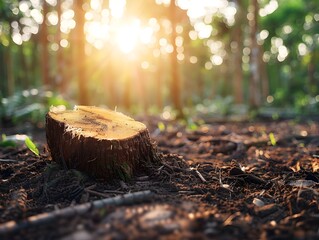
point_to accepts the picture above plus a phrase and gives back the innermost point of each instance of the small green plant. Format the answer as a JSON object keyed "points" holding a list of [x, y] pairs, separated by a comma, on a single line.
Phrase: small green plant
{"points": [[7, 142], [191, 125], [32, 147], [161, 126], [272, 139]]}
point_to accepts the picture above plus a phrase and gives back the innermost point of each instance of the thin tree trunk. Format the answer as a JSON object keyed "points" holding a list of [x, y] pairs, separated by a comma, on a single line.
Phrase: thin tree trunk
{"points": [[24, 74], [141, 82], [10, 74], [3, 72], [109, 83], [255, 94], [44, 50], [83, 97], [238, 39], [313, 87], [264, 75], [175, 75], [61, 80], [127, 90], [35, 71], [159, 84]]}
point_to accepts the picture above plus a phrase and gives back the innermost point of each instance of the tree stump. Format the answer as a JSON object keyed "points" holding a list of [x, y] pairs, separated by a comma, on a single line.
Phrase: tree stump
{"points": [[103, 143]]}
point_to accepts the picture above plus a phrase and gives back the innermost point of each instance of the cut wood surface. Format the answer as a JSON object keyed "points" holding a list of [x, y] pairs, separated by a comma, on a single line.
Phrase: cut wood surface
{"points": [[103, 143]]}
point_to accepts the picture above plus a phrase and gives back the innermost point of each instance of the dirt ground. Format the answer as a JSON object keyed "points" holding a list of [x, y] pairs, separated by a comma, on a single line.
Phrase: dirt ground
{"points": [[239, 180]]}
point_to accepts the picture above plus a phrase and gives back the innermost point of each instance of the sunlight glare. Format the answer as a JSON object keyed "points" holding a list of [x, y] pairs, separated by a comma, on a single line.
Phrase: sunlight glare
{"points": [[37, 16], [269, 8], [17, 38], [302, 49], [64, 43], [127, 36], [95, 5], [24, 6], [117, 8], [145, 65], [52, 2], [193, 59], [208, 65], [282, 53], [146, 35], [96, 31], [53, 18], [216, 60], [164, 2], [263, 34]]}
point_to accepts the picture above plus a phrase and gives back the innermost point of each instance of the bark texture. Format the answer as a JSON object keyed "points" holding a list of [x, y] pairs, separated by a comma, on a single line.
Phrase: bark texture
{"points": [[103, 143]]}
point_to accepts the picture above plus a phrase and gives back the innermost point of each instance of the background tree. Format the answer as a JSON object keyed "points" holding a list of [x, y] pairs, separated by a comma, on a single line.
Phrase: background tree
{"points": [[142, 56]]}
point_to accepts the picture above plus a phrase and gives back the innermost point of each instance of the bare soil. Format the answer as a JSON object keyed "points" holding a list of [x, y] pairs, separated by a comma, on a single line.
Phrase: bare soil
{"points": [[220, 181]]}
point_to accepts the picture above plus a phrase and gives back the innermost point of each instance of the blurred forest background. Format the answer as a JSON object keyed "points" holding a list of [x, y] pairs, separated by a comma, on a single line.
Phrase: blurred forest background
{"points": [[159, 56]]}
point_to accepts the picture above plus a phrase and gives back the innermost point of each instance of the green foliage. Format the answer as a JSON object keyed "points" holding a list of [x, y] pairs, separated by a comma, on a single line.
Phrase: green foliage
{"points": [[7, 142], [294, 81], [221, 107], [28, 105], [192, 126], [32, 147]]}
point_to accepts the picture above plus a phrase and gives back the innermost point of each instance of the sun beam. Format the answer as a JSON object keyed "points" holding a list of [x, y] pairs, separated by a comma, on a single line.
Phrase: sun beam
{"points": [[126, 34]]}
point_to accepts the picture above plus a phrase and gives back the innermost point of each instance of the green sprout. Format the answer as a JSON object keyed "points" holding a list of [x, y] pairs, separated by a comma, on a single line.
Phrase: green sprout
{"points": [[161, 126], [272, 139], [32, 147]]}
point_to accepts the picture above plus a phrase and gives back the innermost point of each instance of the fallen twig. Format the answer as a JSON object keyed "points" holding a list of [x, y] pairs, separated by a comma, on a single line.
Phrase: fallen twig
{"points": [[199, 174], [102, 194], [95, 193], [45, 218], [6, 160]]}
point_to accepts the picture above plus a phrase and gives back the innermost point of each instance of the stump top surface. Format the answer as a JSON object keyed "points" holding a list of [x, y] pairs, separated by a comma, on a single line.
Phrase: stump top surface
{"points": [[99, 123]]}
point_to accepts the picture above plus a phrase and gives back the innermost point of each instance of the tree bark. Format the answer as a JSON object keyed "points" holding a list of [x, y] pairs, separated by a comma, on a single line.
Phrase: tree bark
{"points": [[83, 97], [9, 61], [60, 61], [238, 70], [175, 76], [264, 75], [44, 44], [255, 93], [103, 143]]}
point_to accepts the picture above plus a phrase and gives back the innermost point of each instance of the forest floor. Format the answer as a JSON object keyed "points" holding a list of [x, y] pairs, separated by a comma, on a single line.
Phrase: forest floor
{"points": [[235, 180]]}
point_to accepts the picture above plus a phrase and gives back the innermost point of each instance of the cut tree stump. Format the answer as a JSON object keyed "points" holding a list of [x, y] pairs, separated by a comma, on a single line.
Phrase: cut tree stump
{"points": [[103, 143]]}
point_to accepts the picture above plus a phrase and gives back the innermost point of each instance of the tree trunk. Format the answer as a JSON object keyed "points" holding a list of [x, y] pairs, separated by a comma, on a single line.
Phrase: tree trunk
{"points": [[11, 77], [103, 143], [255, 94], [175, 75], [83, 97], [238, 70], [2, 73], [60, 61], [127, 102], [44, 50], [24, 73], [159, 84], [263, 74], [313, 87], [109, 83]]}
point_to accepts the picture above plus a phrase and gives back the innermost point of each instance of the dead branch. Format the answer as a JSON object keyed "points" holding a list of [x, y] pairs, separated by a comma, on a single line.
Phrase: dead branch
{"points": [[45, 218], [6, 160]]}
